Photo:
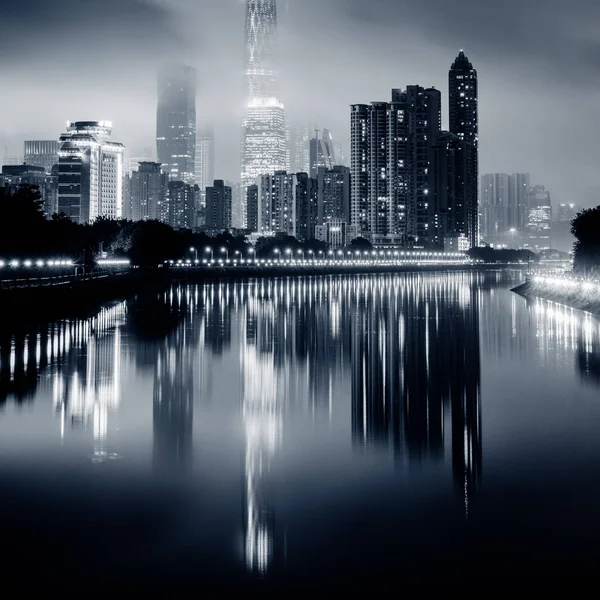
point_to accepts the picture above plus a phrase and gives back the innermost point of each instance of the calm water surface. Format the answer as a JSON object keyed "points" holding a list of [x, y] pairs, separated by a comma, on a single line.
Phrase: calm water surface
{"points": [[314, 430]]}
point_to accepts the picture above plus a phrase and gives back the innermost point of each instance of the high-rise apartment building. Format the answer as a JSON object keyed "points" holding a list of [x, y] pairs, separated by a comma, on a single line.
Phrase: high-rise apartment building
{"points": [[252, 221], [218, 206], [333, 187], [41, 153], [538, 227], [391, 158], [147, 192], [263, 129], [464, 123], [277, 203], [90, 175], [306, 206], [176, 122], [181, 203]]}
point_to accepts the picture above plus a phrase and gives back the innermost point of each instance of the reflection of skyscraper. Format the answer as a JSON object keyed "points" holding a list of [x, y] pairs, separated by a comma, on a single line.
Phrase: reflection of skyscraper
{"points": [[263, 129], [176, 122], [416, 357]]}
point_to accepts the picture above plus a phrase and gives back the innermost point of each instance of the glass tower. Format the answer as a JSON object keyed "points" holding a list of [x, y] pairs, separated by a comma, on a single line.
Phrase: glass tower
{"points": [[263, 129]]}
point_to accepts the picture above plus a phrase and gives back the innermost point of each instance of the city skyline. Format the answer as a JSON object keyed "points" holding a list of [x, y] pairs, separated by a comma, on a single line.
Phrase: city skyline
{"points": [[513, 139]]}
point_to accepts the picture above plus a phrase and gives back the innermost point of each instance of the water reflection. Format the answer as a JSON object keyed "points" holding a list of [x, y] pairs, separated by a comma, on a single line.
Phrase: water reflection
{"points": [[392, 363]]}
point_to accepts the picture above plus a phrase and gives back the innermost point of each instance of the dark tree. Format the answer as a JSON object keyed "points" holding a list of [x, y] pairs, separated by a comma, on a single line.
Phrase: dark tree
{"points": [[360, 243], [586, 229]]}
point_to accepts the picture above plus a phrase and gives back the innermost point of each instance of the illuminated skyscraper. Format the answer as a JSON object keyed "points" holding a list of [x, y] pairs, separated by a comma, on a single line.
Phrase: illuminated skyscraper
{"points": [[464, 123], [41, 153], [176, 122], [90, 174], [263, 129]]}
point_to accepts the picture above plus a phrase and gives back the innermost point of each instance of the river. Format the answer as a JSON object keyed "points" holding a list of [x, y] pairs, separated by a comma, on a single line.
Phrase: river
{"points": [[303, 431]]}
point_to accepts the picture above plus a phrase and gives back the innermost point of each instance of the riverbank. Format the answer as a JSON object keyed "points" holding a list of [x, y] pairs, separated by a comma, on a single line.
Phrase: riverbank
{"points": [[572, 292], [80, 298]]}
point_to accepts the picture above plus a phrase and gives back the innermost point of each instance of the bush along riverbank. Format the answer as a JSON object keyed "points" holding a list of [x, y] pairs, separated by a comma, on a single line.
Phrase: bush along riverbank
{"points": [[582, 294]]}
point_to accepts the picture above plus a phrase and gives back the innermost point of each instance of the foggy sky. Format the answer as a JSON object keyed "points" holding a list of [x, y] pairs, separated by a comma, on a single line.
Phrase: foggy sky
{"points": [[538, 63]]}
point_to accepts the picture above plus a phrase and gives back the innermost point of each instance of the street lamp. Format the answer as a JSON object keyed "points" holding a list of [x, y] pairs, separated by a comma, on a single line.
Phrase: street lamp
{"points": [[212, 254], [251, 251], [277, 252], [225, 251], [192, 249], [301, 252]]}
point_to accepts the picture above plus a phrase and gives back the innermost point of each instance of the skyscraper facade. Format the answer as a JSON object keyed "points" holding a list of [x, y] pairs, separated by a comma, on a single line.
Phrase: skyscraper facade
{"points": [[322, 152], [205, 157], [41, 153], [464, 123], [263, 129], [298, 139], [181, 202], [218, 206], [90, 175], [359, 161], [176, 122], [147, 192], [333, 194]]}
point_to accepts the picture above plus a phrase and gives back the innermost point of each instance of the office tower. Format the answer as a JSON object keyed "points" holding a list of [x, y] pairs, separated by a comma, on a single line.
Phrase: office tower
{"points": [[176, 122], [566, 212], [336, 233], [360, 214], [277, 203], [263, 129], [538, 227], [218, 206], [322, 152], [147, 192], [464, 123], [181, 202], [41, 153], [298, 139], [333, 187], [252, 208], [391, 155], [205, 157], [17, 176], [90, 176], [306, 206]]}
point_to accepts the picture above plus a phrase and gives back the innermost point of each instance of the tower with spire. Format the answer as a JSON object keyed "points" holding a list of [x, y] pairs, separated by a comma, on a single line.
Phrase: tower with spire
{"points": [[464, 123]]}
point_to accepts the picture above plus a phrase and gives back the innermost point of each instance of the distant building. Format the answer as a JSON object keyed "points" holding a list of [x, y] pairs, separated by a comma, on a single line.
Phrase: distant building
{"points": [[333, 194], [90, 174], [176, 122], [147, 192], [456, 242], [321, 152], [562, 238], [17, 176], [277, 203], [298, 139], [566, 212], [205, 157], [538, 228], [41, 153], [181, 203], [306, 206], [336, 233], [252, 208], [218, 206]]}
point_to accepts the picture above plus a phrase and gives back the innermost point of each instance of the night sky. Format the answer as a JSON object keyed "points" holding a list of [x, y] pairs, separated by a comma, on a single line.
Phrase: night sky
{"points": [[538, 64]]}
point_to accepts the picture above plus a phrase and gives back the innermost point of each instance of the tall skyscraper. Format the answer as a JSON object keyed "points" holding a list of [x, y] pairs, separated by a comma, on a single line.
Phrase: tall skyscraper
{"points": [[538, 228], [90, 176], [333, 194], [277, 203], [360, 214], [263, 129], [41, 153], [176, 122], [464, 123], [147, 192], [218, 206], [205, 157]]}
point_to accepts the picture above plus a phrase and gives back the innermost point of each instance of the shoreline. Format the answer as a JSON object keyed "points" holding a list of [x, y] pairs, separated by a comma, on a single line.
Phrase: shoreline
{"points": [[85, 298], [574, 295]]}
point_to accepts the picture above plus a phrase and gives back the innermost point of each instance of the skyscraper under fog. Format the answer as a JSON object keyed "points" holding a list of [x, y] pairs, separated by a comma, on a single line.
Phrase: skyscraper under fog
{"points": [[464, 123], [41, 153], [176, 122], [205, 157], [263, 129], [322, 152]]}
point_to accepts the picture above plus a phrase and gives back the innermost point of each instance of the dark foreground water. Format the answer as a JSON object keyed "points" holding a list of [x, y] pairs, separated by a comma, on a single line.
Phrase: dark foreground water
{"points": [[340, 430]]}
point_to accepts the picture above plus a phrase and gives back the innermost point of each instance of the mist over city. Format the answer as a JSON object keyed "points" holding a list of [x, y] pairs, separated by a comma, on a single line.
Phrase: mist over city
{"points": [[537, 64]]}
